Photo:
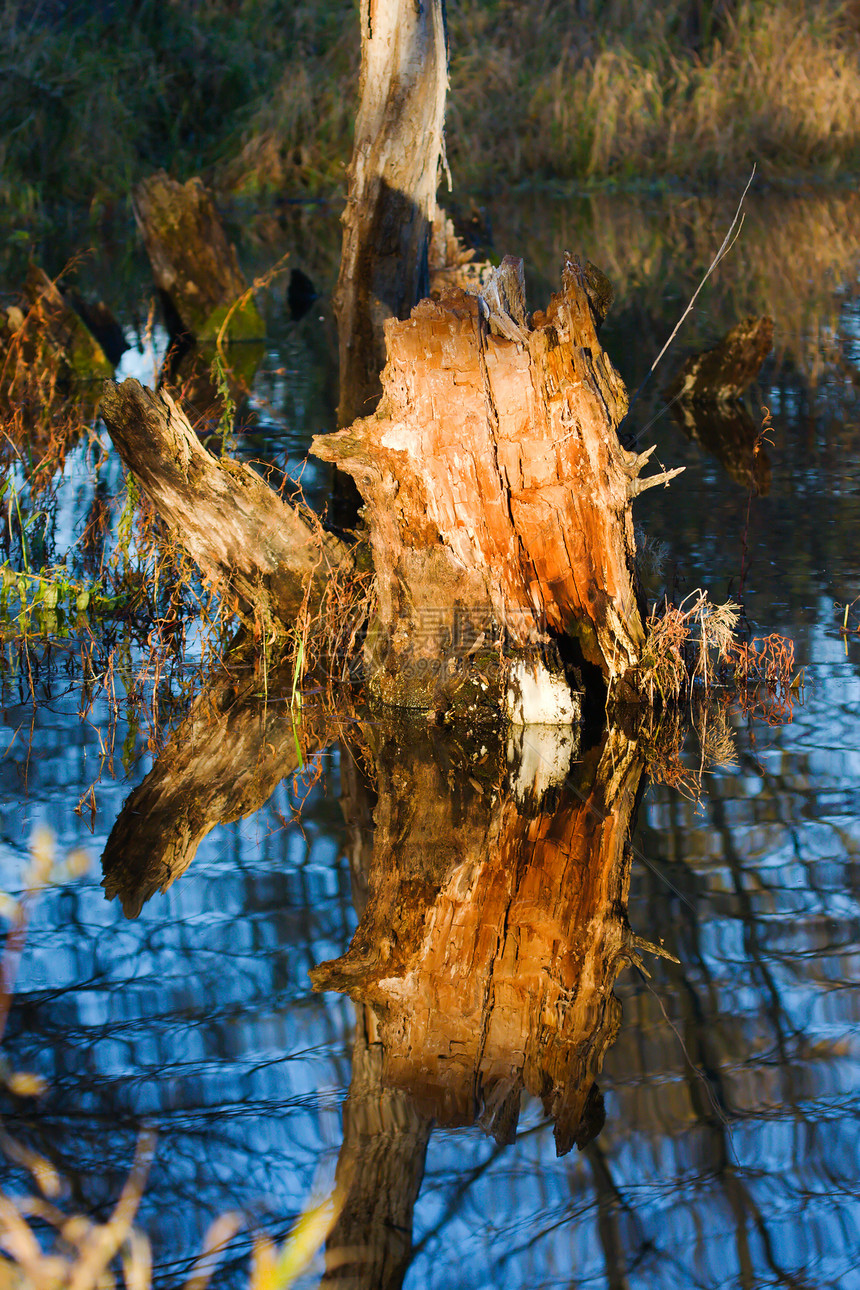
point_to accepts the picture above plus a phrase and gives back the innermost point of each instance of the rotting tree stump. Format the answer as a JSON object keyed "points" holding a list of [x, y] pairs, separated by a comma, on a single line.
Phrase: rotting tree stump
{"points": [[194, 264], [497, 504], [497, 500]]}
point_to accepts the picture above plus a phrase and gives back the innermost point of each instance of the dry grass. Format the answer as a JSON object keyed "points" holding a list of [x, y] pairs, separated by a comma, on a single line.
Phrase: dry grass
{"points": [[686, 644], [298, 139], [632, 91], [693, 649], [259, 97]]}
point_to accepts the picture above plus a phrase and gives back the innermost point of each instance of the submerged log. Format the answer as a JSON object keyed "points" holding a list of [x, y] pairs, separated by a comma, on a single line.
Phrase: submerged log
{"points": [[194, 264], [65, 329], [497, 495], [266, 554], [392, 187], [495, 929]]}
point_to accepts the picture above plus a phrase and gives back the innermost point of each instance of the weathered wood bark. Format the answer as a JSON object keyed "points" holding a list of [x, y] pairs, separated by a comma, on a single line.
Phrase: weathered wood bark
{"points": [[194, 265], [495, 929], [221, 763], [265, 553], [497, 496], [392, 186], [497, 502]]}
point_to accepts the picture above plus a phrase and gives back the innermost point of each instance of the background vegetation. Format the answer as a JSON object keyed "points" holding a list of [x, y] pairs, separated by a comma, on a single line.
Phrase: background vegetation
{"points": [[259, 95]]}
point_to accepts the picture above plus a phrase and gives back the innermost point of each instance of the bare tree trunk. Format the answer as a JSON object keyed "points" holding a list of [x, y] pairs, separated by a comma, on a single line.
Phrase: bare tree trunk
{"points": [[392, 186]]}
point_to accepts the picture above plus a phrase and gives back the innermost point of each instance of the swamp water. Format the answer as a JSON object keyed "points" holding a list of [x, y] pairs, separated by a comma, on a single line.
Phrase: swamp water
{"points": [[725, 1151]]}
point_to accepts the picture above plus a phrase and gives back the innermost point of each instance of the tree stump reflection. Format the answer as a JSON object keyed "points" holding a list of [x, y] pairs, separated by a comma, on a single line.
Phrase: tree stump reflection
{"points": [[494, 931]]}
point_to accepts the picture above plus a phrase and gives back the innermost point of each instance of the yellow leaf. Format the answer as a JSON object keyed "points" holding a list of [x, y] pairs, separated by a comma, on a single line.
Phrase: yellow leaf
{"points": [[25, 1084]]}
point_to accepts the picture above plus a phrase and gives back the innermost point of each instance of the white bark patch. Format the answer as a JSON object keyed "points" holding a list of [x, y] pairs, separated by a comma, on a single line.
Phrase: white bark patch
{"points": [[539, 697]]}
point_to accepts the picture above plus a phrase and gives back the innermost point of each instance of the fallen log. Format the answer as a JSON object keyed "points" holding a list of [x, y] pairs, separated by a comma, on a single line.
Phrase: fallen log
{"points": [[101, 322], [265, 554]]}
